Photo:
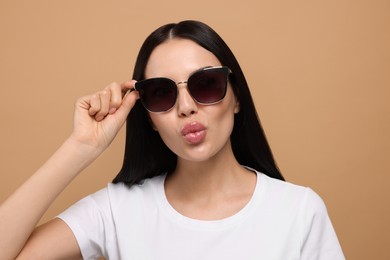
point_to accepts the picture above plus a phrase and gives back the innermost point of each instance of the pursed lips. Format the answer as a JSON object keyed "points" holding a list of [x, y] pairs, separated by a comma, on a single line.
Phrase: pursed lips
{"points": [[194, 133]]}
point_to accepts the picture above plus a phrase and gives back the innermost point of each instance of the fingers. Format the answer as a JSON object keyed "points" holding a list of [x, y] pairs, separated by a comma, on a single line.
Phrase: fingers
{"points": [[128, 103], [100, 104], [110, 99]]}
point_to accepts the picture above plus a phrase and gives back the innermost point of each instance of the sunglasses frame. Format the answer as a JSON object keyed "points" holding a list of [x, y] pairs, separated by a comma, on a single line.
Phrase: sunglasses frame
{"points": [[224, 69]]}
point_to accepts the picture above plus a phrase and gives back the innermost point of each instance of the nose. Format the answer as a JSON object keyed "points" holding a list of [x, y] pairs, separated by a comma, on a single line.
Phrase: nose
{"points": [[186, 105]]}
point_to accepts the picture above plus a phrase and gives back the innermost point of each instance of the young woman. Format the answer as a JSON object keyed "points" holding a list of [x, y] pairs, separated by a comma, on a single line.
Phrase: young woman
{"points": [[198, 180]]}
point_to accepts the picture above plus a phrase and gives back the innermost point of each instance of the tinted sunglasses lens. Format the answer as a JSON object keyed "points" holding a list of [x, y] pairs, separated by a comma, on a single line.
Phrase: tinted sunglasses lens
{"points": [[158, 94], [208, 86]]}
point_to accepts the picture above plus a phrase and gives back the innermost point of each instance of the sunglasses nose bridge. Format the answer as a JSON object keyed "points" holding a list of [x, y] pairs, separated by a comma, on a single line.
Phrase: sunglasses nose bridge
{"points": [[185, 102], [181, 82]]}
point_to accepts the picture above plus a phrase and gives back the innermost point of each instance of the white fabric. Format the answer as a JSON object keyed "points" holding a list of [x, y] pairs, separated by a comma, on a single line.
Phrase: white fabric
{"points": [[281, 221]]}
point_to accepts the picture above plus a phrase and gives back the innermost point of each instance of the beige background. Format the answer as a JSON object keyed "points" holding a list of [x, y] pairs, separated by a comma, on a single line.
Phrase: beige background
{"points": [[318, 70]]}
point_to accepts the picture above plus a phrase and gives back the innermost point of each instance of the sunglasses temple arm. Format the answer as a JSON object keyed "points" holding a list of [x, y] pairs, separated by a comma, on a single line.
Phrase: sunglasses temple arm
{"points": [[130, 90]]}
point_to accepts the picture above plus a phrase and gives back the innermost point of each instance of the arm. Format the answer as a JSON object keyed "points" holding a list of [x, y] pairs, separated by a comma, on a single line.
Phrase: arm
{"points": [[97, 120], [52, 240], [319, 237]]}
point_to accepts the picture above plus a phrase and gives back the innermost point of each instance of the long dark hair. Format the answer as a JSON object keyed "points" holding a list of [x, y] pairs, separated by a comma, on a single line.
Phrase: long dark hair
{"points": [[146, 155]]}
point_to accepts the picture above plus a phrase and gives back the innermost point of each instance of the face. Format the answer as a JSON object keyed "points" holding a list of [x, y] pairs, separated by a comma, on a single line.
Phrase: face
{"points": [[194, 132]]}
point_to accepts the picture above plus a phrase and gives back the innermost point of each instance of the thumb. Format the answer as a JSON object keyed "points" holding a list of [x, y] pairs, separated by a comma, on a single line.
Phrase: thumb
{"points": [[128, 103]]}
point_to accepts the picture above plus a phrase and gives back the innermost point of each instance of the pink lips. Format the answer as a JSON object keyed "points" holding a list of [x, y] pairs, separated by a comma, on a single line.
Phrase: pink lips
{"points": [[194, 133]]}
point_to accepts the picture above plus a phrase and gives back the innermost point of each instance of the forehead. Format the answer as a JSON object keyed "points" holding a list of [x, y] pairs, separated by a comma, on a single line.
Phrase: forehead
{"points": [[177, 58]]}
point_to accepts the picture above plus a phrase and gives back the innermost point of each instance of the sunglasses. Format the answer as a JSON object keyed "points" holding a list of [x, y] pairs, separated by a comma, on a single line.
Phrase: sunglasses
{"points": [[206, 86]]}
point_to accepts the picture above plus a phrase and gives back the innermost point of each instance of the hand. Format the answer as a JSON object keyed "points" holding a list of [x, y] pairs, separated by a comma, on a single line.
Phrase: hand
{"points": [[100, 116]]}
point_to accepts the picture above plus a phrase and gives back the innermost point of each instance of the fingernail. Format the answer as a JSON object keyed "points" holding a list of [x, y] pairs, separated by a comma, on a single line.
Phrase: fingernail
{"points": [[112, 110]]}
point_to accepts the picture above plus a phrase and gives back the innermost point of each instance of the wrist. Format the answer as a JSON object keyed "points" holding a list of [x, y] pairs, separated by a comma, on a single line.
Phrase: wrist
{"points": [[82, 149]]}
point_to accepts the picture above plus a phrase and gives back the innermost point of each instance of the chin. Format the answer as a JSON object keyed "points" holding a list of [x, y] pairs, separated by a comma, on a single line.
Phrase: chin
{"points": [[198, 155]]}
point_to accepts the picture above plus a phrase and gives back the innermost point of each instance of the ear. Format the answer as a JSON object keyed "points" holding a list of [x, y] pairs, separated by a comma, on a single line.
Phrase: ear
{"points": [[236, 106]]}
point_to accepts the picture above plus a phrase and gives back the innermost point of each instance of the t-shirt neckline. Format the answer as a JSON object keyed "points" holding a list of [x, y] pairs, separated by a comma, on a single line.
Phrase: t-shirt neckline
{"points": [[238, 217]]}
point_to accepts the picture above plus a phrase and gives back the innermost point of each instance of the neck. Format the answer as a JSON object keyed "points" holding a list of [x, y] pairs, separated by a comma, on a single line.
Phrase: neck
{"points": [[218, 174], [213, 189]]}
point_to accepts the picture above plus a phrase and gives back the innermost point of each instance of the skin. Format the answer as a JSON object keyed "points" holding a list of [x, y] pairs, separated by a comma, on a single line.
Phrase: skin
{"points": [[208, 182]]}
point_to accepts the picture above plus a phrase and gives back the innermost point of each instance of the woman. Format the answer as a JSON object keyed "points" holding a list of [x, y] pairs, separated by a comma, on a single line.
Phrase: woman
{"points": [[198, 179]]}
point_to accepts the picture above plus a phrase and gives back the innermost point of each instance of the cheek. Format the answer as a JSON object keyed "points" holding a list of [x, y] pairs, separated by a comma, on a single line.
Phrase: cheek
{"points": [[225, 120], [230, 106], [151, 122], [221, 116], [165, 128], [162, 124]]}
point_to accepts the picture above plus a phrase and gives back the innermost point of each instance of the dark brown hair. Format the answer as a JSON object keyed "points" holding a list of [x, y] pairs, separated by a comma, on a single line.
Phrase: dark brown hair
{"points": [[146, 155]]}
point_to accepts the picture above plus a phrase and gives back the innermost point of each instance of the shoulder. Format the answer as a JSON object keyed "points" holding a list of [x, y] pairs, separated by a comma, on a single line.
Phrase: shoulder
{"points": [[116, 195], [291, 195], [306, 210], [113, 200], [283, 189]]}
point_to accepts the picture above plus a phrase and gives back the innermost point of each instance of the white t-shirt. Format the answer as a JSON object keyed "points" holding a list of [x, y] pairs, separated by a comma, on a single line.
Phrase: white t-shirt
{"points": [[281, 221]]}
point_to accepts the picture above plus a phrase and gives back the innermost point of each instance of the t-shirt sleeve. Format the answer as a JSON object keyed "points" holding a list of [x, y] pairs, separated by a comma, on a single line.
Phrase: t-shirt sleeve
{"points": [[90, 221], [319, 237]]}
